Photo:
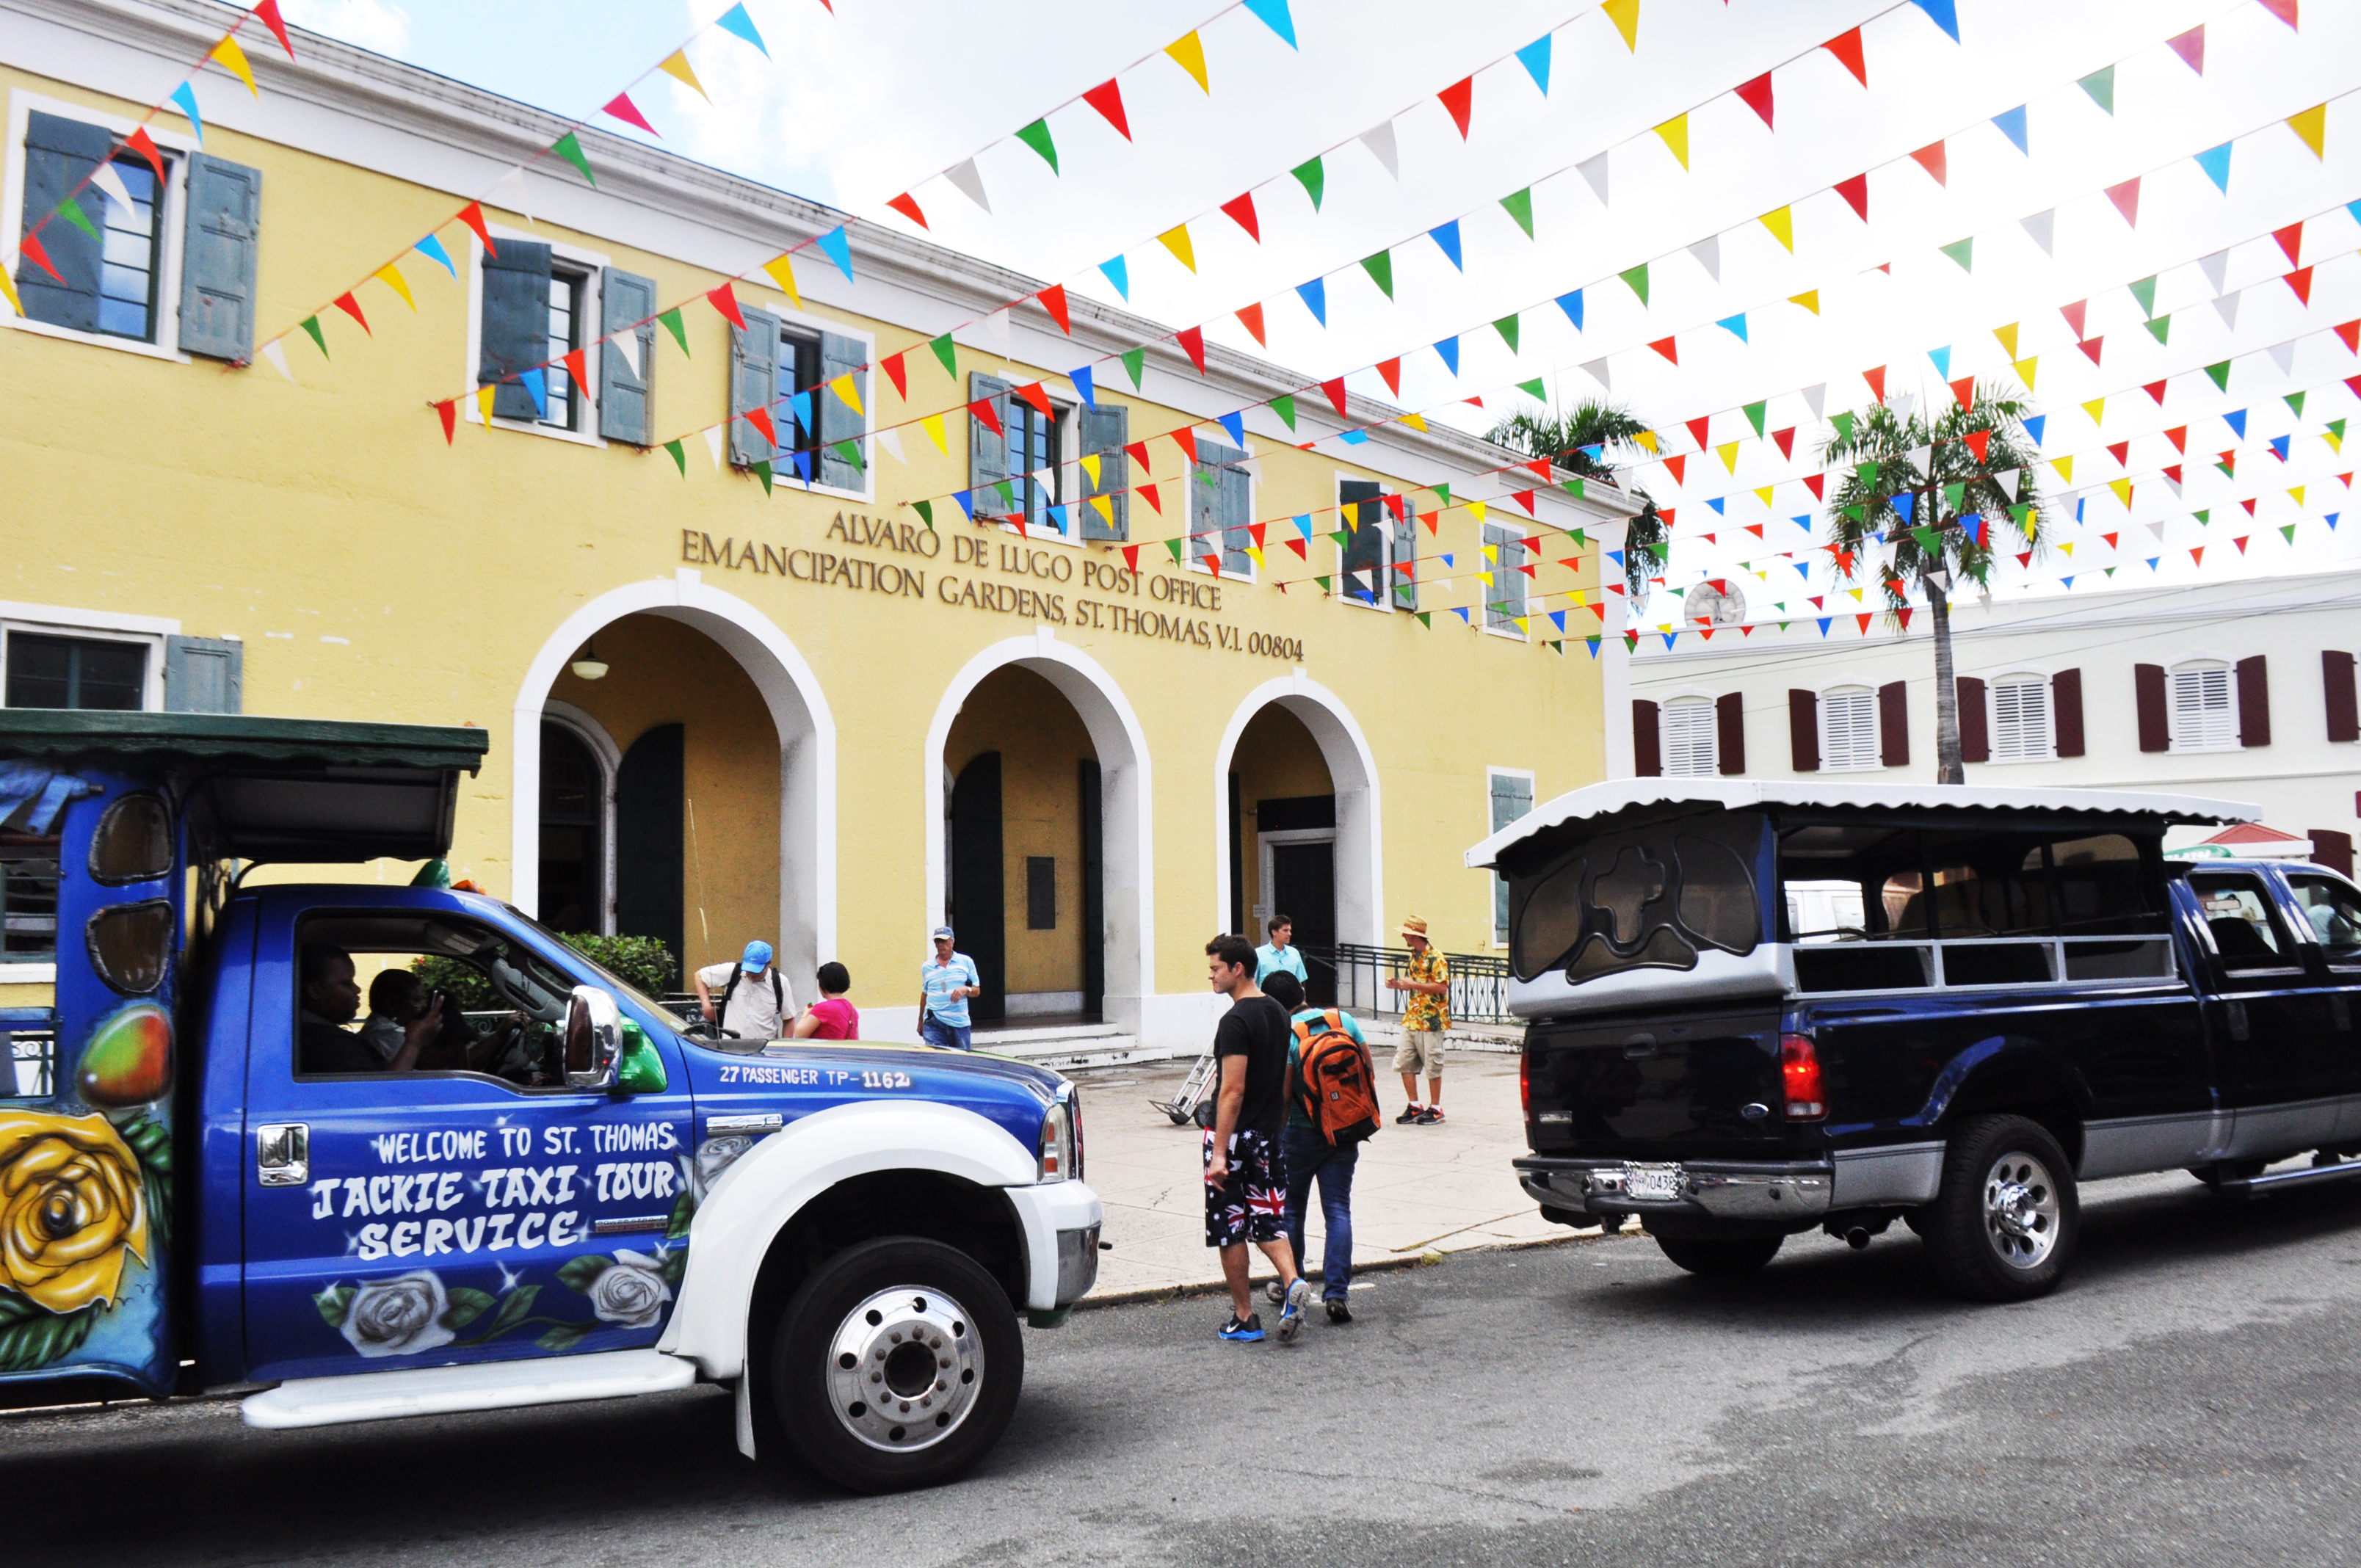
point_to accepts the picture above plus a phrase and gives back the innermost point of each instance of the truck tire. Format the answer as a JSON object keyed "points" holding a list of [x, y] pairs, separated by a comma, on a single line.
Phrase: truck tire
{"points": [[896, 1365], [1721, 1257], [2004, 1221]]}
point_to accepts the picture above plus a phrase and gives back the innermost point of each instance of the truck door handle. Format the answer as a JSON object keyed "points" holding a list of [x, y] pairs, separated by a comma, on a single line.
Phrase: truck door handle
{"points": [[282, 1154], [2236, 1015]]}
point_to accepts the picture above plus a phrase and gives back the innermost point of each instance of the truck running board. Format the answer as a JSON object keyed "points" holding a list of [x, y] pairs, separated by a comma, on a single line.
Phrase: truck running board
{"points": [[485, 1386], [2248, 1186]]}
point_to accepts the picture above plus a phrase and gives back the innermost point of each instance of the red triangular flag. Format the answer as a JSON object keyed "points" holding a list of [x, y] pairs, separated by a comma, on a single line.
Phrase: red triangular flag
{"points": [[1335, 390], [2300, 281], [2179, 436], [2351, 332], [448, 409], [1193, 342], [1819, 602], [1148, 491], [2024, 558], [2241, 541], [2283, 9], [1186, 440], [1876, 380], [1139, 451], [1107, 99], [1753, 527], [1053, 299], [725, 300], [1390, 370], [1930, 159], [1400, 507], [623, 109], [2110, 538], [1756, 95], [2197, 555], [38, 254], [2249, 505], [269, 11], [1241, 210], [1250, 317], [1032, 395], [1855, 192], [2352, 385], [2155, 389], [982, 409], [2090, 346], [1786, 440], [1434, 520], [1846, 47], [2126, 197], [1964, 390], [1668, 348], [2191, 47], [1301, 553], [1977, 440], [2291, 240], [2075, 313], [1699, 429], [760, 418], [575, 367], [2173, 474], [1460, 99], [1677, 464], [2120, 451], [351, 308], [140, 142], [1131, 559], [472, 215], [907, 206], [1525, 500], [1539, 468], [898, 373], [1864, 620], [1817, 484]]}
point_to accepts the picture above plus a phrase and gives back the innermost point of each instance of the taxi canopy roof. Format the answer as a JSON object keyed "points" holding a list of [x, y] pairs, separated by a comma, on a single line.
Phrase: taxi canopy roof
{"points": [[273, 789], [1599, 806]]}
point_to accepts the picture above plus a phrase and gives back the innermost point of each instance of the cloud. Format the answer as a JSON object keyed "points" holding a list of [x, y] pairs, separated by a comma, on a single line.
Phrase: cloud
{"points": [[371, 24]]}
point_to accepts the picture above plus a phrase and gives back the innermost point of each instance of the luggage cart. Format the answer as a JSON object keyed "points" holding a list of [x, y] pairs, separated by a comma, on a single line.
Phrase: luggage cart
{"points": [[1182, 1107]]}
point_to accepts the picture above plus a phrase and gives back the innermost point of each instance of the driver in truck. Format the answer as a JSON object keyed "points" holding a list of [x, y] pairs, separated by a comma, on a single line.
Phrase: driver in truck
{"points": [[330, 998]]}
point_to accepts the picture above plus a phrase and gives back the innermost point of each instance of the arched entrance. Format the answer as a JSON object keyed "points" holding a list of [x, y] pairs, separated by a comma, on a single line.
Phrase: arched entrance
{"points": [[715, 760]]}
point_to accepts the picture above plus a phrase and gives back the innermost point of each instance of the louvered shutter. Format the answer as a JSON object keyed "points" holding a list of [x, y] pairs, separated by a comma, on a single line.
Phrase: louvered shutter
{"points": [[753, 384], [1730, 732], [515, 328], [1647, 756], [2254, 702], [2344, 712], [987, 450], [1237, 512], [840, 357], [1804, 731], [1894, 725], [1975, 734], [2332, 849], [1104, 432], [2065, 711], [1512, 797], [57, 153], [625, 411], [1405, 543], [2148, 698], [220, 250], [203, 674]]}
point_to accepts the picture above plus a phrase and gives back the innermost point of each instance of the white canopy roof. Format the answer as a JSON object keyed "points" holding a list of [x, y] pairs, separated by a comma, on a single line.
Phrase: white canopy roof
{"points": [[1603, 800]]}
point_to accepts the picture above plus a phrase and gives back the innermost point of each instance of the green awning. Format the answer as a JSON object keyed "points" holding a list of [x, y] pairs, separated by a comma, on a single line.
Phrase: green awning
{"points": [[232, 738]]}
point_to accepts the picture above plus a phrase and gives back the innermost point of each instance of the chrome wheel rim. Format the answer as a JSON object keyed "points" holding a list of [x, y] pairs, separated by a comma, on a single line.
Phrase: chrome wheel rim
{"points": [[904, 1368], [2020, 1211]]}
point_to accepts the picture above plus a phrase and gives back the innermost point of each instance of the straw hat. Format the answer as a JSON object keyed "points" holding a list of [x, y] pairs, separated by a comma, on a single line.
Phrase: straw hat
{"points": [[1414, 927]]}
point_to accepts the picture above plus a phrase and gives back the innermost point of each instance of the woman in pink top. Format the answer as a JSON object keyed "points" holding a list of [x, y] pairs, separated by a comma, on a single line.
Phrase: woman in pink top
{"points": [[831, 1017]]}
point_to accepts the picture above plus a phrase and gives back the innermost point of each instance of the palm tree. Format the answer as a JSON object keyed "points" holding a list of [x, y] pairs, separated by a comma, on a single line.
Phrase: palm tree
{"points": [[1948, 475], [1560, 436]]}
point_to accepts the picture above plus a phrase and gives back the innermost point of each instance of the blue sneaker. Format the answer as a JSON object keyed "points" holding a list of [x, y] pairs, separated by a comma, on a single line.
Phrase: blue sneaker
{"points": [[1291, 1316], [1245, 1333]]}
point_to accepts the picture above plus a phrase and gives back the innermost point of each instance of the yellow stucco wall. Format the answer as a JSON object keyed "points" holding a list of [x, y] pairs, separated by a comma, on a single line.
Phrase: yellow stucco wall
{"points": [[375, 573]]}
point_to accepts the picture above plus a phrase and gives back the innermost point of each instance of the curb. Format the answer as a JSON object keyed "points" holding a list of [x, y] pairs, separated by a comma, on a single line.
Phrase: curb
{"points": [[1149, 1294]]}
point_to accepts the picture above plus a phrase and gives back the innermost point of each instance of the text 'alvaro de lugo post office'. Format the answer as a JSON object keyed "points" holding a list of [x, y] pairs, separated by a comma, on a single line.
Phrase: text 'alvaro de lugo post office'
{"points": [[730, 703]]}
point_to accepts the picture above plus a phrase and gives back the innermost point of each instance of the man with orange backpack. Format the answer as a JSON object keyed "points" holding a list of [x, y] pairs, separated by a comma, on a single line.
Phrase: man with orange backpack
{"points": [[1332, 1107]]}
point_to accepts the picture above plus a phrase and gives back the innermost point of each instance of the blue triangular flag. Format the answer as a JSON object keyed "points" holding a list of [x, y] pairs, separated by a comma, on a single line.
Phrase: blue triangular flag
{"points": [[1235, 424], [1461, 611], [1446, 563], [2033, 427], [1352, 437], [1534, 57], [432, 249], [1803, 569], [1057, 517], [1906, 504], [1449, 348], [1274, 17], [1824, 624], [1716, 502], [1616, 556], [1668, 638], [1801, 521], [2215, 161], [2012, 125], [2330, 519], [1571, 305], [2280, 446], [804, 468], [1447, 237], [2080, 502], [1942, 359], [1119, 274], [536, 387], [1315, 298], [1944, 14], [966, 500], [1736, 323], [2152, 561], [735, 21], [839, 250], [186, 97], [2236, 419], [1591, 644], [1083, 386], [1559, 616], [2068, 580], [801, 405]]}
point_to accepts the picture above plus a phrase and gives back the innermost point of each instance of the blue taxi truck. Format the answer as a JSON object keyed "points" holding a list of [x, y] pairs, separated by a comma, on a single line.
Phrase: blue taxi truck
{"points": [[565, 1199], [1755, 1009]]}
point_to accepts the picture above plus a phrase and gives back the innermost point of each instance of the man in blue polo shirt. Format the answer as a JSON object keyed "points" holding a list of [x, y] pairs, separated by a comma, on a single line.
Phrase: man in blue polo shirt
{"points": [[1277, 956], [948, 979]]}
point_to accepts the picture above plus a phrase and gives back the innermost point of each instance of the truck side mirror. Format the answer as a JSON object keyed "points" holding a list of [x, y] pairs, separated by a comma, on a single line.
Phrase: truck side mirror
{"points": [[593, 1038]]}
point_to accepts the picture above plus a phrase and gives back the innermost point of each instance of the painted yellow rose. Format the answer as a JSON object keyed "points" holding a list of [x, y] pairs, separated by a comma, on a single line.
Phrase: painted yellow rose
{"points": [[71, 1205]]}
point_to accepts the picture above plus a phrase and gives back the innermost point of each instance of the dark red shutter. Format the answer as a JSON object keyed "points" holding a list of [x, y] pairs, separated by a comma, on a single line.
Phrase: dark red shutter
{"points": [[2065, 711], [2147, 694], [1975, 729], [2332, 849], [1804, 731], [1894, 724], [2254, 703], [1647, 755], [1729, 731], [2336, 680]]}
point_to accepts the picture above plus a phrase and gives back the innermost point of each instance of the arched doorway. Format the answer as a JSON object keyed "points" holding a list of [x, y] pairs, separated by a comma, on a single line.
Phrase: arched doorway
{"points": [[575, 829]]}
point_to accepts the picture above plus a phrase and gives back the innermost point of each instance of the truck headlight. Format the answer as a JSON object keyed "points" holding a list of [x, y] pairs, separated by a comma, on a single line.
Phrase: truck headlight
{"points": [[1062, 1138]]}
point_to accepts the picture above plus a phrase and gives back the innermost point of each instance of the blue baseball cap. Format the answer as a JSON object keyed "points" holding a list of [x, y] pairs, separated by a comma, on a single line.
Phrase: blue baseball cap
{"points": [[758, 956]]}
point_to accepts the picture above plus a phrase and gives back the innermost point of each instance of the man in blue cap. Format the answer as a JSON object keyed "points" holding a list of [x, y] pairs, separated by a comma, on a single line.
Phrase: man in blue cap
{"points": [[754, 1004], [946, 981]]}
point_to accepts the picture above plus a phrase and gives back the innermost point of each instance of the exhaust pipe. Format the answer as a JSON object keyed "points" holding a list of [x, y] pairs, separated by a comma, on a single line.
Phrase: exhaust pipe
{"points": [[1857, 1238]]}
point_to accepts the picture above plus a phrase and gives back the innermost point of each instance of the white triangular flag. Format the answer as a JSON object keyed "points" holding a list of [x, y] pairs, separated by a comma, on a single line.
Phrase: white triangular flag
{"points": [[996, 329], [511, 192], [1709, 254], [2157, 529], [107, 180], [713, 443], [2227, 307], [1594, 170], [1941, 579], [2283, 355], [1597, 371], [2010, 483], [2043, 226], [1379, 140], [1904, 404], [2173, 482], [890, 439], [1920, 457], [627, 344], [1815, 398], [971, 184], [278, 357], [2216, 267], [1250, 466]]}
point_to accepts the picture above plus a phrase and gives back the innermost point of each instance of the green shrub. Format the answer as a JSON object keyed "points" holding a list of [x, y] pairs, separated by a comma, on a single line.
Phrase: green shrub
{"points": [[465, 984], [642, 961]]}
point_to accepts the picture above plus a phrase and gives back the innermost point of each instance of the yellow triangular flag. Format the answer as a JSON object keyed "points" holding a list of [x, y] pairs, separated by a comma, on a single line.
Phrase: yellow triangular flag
{"points": [[933, 426], [1485, 578], [1105, 506], [1763, 495], [1476, 510], [2313, 127], [1416, 421], [2007, 336], [390, 276], [1190, 55], [1520, 624], [1727, 452], [2336, 442], [233, 59], [1781, 221], [1491, 552], [2097, 409], [2068, 546], [1625, 14], [2064, 467], [1810, 299], [2297, 494], [1176, 240], [1256, 551], [1581, 600], [846, 387], [1090, 466], [8, 292], [1856, 594], [2023, 368], [2123, 489], [676, 67], [1676, 132], [1646, 438], [484, 404], [782, 273]]}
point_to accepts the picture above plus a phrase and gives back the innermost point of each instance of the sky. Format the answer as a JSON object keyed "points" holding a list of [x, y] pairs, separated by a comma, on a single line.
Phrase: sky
{"points": [[878, 98]]}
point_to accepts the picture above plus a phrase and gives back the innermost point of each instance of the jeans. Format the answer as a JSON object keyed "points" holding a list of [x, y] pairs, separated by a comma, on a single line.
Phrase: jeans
{"points": [[1310, 1155], [933, 1031]]}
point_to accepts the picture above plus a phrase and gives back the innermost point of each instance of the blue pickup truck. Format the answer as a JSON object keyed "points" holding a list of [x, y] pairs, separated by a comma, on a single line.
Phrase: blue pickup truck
{"points": [[1759, 1009], [207, 1182]]}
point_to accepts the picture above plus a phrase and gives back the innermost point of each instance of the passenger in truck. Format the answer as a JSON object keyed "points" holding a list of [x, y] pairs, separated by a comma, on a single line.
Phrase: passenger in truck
{"points": [[331, 998]]}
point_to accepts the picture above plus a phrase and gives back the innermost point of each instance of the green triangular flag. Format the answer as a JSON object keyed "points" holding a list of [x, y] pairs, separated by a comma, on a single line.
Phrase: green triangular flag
{"points": [[2111, 571], [1535, 390], [1322, 582], [1856, 512], [851, 452], [1135, 363], [2145, 292], [1342, 536], [1867, 474], [71, 210], [2287, 532], [1507, 327], [1445, 491], [1844, 426], [1952, 495], [673, 325], [2204, 518], [1315, 179], [1963, 251], [2101, 85], [763, 472], [1037, 136], [1007, 494], [926, 510], [1581, 540], [1174, 545], [1638, 278], [569, 149], [2221, 374], [1380, 269], [1519, 205], [1755, 415], [2159, 327], [948, 352], [1926, 538], [311, 325], [2023, 512], [1425, 618], [2295, 405], [1284, 406], [2335, 426], [1574, 488], [679, 456]]}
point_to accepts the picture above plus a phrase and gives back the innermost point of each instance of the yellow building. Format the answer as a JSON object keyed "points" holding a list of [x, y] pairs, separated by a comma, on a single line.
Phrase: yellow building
{"points": [[822, 719]]}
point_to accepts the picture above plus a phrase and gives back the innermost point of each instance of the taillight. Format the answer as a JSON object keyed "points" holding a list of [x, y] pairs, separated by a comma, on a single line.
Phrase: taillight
{"points": [[1525, 1083], [1799, 1071]]}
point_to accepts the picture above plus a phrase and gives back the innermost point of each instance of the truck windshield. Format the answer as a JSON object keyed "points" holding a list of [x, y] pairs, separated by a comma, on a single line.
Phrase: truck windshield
{"points": [[619, 985]]}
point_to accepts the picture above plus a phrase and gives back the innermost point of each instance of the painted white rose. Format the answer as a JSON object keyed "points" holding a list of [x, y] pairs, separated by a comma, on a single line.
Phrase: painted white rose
{"points": [[402, 1316], [632, 1294], [714, 1156]]}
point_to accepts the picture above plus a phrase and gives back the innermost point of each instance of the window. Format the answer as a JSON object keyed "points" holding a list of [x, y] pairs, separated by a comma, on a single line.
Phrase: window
{"points": [[1690, 735], [1504, 602], [1221, 508], [2238, 916], [109, 264], [2205, 712], [1512, 797], [567, 288], [76, 672], [794, 411], [28, 896], [489, 982], [2333, 911], [1849, 730], [2021, 728], [1036, 441]]}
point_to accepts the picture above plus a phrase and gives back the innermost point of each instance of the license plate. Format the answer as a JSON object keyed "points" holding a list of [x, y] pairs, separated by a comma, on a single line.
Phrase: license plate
{"points": [[1661, 1183]]}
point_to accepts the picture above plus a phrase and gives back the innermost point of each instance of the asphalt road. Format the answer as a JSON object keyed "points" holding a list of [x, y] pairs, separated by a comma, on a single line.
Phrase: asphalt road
{"points": [[2190, 1398]]}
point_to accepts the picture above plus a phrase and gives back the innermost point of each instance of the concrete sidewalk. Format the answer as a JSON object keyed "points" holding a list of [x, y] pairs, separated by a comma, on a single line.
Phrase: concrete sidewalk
{"points": [[1416, 1190]]}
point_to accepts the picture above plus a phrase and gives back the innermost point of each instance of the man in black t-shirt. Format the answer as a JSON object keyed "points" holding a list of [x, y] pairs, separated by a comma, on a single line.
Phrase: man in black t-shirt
{"points": [[1246, 1167]]}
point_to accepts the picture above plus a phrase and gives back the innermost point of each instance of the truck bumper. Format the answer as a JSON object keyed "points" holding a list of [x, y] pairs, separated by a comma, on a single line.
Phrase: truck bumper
{"points": [[1062, 1221], [1712, 1194]]}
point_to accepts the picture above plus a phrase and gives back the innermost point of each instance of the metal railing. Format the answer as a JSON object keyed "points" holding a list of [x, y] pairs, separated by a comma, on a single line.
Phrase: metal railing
{"points": [[28, 1054], [1479, 981]]}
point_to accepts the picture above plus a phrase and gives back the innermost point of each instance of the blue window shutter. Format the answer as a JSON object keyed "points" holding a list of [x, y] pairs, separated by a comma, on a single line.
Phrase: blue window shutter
{"points": [[203, 674], [753, 384], [220, 249], [515, 329], [625, 412], [1364, 553], [841, 357], [1511, 798], [1237, 511], [1105, 430], [1405, 551], [987, 454], [57, 153]]}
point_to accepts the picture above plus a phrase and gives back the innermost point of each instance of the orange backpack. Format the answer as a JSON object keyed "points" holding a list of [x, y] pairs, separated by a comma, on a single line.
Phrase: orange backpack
{"points": [[1336, 1080]]}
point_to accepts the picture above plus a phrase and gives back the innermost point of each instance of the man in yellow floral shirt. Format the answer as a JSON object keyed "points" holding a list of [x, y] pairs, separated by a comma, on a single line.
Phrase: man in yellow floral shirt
{"points": [[1427, 978]]}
